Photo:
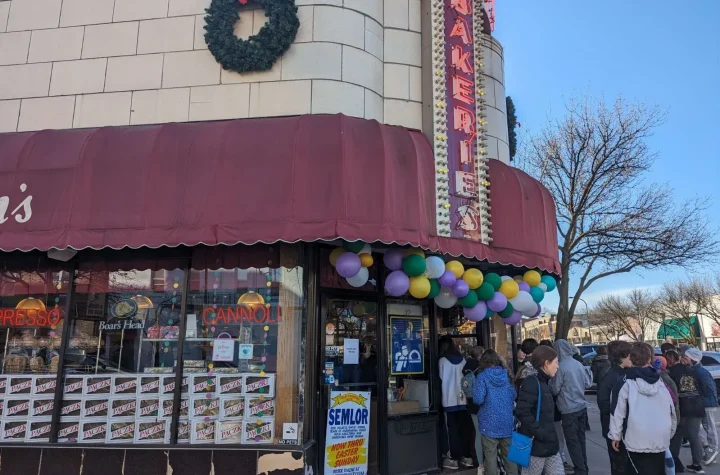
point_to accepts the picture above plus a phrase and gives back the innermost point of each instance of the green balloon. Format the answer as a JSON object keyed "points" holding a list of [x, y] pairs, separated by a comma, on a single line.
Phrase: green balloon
{"points": [[537, 294], [489, 313], [549, 282], [493, 279], [470, 300], [414, 265], [507, 311], [434, 289], [355, 246], [485, 292]]}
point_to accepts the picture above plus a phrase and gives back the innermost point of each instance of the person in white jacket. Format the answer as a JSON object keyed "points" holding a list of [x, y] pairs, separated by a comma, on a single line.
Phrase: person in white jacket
{"points": [[644, 418]]}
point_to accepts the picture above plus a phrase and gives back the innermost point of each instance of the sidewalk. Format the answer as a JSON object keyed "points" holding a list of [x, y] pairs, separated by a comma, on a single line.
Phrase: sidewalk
{"points": [[598, 460]]}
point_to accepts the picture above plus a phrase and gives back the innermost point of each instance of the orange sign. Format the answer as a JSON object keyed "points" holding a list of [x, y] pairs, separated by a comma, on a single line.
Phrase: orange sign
{"points": [[237, 314], [11, 317]]}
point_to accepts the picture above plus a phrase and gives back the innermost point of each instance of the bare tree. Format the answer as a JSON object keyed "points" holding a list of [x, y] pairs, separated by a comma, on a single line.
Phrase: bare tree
{"points": [[632, 315], [684, 301], [593, 162]]}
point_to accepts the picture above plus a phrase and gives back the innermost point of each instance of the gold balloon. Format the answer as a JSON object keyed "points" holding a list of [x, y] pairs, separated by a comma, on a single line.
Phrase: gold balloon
{"points": [[532, 278], [366, 260], [509, 288], [473, 277], [456, 268], [419, 287]]}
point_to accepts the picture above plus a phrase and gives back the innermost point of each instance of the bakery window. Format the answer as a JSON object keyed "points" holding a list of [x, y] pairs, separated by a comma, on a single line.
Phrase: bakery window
{"points": [[33, 298], [122, 350], [241, 352]]}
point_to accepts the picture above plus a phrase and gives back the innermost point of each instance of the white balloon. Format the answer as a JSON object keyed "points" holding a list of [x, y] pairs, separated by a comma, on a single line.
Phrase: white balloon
{"points": [[446, 298], [543, 287], [524, 303], [505, 277], [366, 249], [435, 267], [359, 279]]}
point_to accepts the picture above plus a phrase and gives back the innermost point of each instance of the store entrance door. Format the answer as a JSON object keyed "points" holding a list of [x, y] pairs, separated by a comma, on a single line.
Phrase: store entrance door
{"points": [[351, 334]]}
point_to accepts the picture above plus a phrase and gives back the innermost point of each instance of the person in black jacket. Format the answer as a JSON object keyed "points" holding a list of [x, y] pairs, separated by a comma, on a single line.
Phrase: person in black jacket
{"points": [[545, 453], [607, 391], [600, 364], [692, 410]]}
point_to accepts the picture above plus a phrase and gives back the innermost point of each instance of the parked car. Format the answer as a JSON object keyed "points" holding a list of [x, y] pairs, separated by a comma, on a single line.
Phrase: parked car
{"points": [[586, 348], [711, 362]]}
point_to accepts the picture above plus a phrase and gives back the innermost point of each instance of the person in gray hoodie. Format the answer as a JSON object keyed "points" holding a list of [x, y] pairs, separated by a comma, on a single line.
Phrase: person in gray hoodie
{"points": [[569, 385]]}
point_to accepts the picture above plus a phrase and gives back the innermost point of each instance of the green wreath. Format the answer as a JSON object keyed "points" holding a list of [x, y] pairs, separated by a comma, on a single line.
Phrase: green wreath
{"points": [[259, 52]]}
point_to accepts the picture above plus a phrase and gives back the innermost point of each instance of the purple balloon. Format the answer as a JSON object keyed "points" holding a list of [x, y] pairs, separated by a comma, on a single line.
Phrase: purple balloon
{"points": [[447, 279], [461, 288], [397, 283], [513, 319], [348, 264], [476, 313], [539, 311], [524, 286], [497, 303], [393, 259]]}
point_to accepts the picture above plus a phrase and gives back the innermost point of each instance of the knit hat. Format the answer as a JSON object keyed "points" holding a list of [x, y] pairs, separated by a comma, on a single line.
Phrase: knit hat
{"points": [[694, 354], [660, 363]]}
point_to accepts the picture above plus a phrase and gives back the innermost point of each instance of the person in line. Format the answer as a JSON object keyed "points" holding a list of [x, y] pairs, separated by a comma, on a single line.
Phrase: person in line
{"points": [[473, 366], [546, 343], [459, 423], [607, 391], [710, 398], [569, 384], [692, 410], [545, 453], [644, 418], [526, 348], [600, 363], [667, 346], [495, 395], [558, 427], [660, 364]]}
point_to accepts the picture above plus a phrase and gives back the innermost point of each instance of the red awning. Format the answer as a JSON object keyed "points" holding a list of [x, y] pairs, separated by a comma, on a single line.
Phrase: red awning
{"points": [[308, 178]]}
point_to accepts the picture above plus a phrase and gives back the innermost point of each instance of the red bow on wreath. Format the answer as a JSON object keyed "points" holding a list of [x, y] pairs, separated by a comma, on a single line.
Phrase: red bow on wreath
{"points": [[243, 2]]}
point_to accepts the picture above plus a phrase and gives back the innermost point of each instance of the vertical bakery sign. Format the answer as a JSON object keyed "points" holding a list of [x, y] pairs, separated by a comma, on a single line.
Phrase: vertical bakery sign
{"points": [[459, 121], [348, 429]]}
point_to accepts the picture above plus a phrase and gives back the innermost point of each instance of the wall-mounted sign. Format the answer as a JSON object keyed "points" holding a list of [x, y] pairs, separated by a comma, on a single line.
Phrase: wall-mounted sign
{"points": [[348, 430], [459, 121], [241, 314], [490, 10], [407, 346], [11, 317], [22, 212]]}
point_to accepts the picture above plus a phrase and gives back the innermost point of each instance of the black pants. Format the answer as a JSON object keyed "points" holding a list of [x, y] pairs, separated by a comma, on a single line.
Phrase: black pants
{"points": [[646, 464], [618, 460], [460, 433], [574, 426]]}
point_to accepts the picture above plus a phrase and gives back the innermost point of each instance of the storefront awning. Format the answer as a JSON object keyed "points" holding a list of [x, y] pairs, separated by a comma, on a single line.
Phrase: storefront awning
{"points": [[307, 178]]}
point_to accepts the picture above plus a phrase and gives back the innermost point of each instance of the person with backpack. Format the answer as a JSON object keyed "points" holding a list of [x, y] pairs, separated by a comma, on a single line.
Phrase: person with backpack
{"points": [[454, 402], [495, 396], [710, 398], [607, 391], [644, 418], [470, 372], [692, 410], [535, 410]]}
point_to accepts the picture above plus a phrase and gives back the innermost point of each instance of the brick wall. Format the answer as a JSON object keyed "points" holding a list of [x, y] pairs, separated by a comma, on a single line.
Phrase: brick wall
{"points": [[87, 63]]}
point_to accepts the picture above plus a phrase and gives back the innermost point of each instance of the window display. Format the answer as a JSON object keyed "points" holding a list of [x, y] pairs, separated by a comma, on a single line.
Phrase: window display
{"points": [[32, 318], [217, 329]]}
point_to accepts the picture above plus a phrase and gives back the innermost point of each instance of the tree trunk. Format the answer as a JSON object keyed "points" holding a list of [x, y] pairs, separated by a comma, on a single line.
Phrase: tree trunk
{"points": [[563, 316]]}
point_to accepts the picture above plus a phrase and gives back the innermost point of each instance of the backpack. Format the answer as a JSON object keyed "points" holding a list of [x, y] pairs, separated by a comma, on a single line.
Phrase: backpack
{"points": [[467, 384]]}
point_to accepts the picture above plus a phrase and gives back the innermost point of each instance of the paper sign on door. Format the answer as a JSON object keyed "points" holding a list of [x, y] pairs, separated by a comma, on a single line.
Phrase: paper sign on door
{"points": [[223, 349]]}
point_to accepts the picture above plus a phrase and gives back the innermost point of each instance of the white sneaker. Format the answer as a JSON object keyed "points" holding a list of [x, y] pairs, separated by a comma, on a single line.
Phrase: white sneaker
{"points": [[481, 470], [712, 455]]}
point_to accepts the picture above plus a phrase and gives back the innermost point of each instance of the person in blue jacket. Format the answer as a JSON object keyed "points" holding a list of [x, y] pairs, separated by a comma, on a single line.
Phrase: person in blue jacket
{"points": [[495, 396]]}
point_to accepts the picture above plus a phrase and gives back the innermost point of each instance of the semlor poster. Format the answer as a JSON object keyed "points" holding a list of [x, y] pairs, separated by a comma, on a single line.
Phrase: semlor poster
{"points": [[348, 429]]}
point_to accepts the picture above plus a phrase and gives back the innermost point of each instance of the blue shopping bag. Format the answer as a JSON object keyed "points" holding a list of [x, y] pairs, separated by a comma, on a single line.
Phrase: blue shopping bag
{"points": [[521, 445]]}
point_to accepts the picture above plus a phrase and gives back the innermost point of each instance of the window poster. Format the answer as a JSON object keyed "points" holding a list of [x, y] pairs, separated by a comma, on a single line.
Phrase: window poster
{"points": [[406, 351], [348, 429]]}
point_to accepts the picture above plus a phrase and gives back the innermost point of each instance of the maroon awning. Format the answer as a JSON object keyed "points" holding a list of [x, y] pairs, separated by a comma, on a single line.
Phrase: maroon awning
{"points": [[308, 178]]}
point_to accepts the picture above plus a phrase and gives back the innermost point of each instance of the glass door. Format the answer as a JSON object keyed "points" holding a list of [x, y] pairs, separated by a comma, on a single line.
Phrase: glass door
{"points": [[349, 362]]}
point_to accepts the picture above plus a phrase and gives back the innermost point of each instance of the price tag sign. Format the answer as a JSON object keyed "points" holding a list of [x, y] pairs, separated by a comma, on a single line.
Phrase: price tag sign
{"points": [[223, 349]]}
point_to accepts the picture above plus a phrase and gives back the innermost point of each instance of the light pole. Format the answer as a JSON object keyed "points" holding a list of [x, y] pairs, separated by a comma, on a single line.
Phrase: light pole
{"points": [[587, 312]]}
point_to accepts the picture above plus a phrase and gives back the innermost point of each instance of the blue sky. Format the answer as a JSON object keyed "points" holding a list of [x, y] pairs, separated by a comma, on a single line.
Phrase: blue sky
{"points": [[659, 52]]}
